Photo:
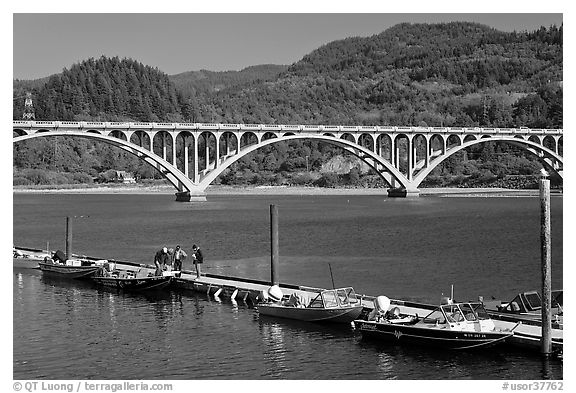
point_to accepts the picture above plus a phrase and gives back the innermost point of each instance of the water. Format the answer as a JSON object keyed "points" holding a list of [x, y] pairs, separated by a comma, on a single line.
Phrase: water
{"points": [[409, 249]]}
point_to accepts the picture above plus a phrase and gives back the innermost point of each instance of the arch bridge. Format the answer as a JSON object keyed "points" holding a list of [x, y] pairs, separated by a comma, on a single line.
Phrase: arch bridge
{"points": [[192, 155]]}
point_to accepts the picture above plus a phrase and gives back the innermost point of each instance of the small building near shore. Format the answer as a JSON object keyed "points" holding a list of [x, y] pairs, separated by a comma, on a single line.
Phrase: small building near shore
{"points": [[124, 177]]}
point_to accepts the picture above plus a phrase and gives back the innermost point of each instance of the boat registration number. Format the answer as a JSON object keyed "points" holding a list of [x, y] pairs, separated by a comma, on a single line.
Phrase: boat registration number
{"points": [[474, 335]]}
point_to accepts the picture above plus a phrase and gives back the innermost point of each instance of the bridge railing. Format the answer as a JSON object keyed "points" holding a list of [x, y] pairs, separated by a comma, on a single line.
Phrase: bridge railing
{"points": [[231, 126], [280, 127], [271, 127]]}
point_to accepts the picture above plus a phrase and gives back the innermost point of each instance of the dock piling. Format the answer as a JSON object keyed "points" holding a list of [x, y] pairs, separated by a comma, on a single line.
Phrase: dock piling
{"points": [[274, 279], [68, 237], [546, 341]]}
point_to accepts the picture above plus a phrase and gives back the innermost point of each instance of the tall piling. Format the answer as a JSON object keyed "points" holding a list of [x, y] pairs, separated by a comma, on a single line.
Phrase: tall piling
{"points": [[546, 341], [274, 245], [68, 237]]}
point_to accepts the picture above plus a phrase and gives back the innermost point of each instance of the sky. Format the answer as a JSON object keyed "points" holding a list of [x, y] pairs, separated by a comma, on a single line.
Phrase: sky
{"points": [[46, 43]]}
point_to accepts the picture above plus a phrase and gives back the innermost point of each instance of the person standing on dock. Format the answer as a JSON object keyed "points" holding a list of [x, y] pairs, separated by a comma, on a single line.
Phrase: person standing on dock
{"points": [[198, 258], [160, 260], [170, 260], [179, 256]]}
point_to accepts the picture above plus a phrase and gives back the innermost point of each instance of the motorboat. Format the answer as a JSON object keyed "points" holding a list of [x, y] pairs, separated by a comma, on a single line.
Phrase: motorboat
{"points": [[527, 306], [142, 279], [69, 268], [450, 326], [525, 312], [329, 305]]}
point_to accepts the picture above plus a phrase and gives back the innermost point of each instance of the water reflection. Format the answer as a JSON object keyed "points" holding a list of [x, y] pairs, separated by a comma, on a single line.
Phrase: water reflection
{"points": [[273, 338], [386, 365], [111, 306], [20, 282]]}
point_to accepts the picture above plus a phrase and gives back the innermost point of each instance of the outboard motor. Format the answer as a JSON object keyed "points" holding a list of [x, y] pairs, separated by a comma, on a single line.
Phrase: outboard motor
{"points": [[275, 293], [393, 313], [381, 305]]}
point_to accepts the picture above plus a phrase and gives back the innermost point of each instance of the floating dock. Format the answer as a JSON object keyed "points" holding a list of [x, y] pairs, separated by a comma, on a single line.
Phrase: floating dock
{"points": [[527, 332]]}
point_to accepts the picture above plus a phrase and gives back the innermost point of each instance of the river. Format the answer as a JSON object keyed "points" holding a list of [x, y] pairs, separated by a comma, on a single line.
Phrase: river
{"points": [[403, 248]]}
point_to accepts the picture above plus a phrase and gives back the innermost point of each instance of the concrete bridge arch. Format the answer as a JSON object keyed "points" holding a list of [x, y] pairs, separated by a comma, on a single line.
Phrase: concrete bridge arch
{"points": [[550, 158], [171, 173], [381, 166]]}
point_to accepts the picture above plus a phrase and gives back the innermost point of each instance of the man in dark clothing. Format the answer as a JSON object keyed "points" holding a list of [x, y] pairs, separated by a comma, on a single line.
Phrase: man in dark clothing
{"points": [[198, 258], [179, 256], [160, 260]]}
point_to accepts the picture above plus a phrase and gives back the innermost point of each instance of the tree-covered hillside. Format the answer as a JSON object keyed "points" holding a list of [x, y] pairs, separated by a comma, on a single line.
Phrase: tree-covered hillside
{"points": [[192, 83], [454, 74], [108, 89]]}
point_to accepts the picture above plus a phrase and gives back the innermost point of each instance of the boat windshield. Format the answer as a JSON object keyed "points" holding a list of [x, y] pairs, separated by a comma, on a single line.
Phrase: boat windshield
{"points": [[330, 299], [468, 311], [436, 316], [333, 298], [453, 313], [342, 297], [346, 296], [533, 301], [480, 311], [557, 298]]}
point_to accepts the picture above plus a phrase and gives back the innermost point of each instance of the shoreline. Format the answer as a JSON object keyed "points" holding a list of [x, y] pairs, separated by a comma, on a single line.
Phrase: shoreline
{"points": [[269, 190]]}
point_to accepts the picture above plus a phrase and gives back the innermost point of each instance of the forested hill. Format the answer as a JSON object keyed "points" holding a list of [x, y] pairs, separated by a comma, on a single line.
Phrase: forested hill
{"points": [[192, 83], [454, 74], [108, 89]]}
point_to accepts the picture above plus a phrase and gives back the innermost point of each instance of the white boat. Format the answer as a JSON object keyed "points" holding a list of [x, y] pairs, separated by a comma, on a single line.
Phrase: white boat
{"points": [[331, 305]]}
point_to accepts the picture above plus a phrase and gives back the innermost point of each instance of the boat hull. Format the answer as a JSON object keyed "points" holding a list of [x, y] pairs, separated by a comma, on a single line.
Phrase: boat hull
{"points": [[337, 315], [448, 339], [134, 284], [68, 271]]}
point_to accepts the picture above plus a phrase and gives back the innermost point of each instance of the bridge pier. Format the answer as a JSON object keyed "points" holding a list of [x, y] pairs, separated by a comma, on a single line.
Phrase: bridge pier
{"points": [[186, 196], [402, 192]]}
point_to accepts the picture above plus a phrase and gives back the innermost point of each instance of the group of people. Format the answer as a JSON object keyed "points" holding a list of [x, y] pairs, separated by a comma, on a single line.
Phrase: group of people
{"points": [[174, 257]]}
